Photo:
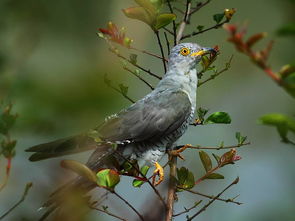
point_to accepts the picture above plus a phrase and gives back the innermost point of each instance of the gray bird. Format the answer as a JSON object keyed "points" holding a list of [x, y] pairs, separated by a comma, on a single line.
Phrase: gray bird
{"points": [[148, 128]]}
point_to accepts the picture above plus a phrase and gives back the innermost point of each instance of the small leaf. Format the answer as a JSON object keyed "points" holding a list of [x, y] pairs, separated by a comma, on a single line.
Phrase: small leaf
{"points": [[229, 13], [138, 183], [123, 89], [241, 139], [185, 178], [141, 14], [218, 118], [148, 6], [216, 157], [255, 38], [79, 168], [200, 27], [218, 17], [215, 176], [107, 178], [282, 122], [287, 30], [201, 112], [206, 161], [163, 20], [133, 58]]}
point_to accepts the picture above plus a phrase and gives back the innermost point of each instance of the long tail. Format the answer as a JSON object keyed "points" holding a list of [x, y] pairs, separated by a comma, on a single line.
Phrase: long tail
{"points": [[69, 146]]}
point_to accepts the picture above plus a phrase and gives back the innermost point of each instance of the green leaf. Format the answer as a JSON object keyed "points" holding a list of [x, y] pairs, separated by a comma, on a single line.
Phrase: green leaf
{"points": [[287, 30], [241, 139], [157, 4], [163, 20], [216, 157], [141, 14], [185, 178], [215, 176], [148, 6], [218, 118], [206, 161], [7, 119], [218, 17], [133, 58], [79, 168], [123, 89], [201, 112], [200, 27], [107, 178], [283, 123], [138, 183]]}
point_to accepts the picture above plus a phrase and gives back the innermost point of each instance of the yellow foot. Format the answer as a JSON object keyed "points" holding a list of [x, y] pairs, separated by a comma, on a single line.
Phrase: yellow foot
{"points": [[180, 150], [160, 172]]}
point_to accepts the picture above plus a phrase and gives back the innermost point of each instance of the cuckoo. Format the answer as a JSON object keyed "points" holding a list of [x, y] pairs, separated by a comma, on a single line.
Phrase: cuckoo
{"points": [[148, 128]]}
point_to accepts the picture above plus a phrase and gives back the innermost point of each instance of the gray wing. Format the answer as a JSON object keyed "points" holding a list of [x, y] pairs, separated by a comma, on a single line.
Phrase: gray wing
{"points": [[151, 118]]}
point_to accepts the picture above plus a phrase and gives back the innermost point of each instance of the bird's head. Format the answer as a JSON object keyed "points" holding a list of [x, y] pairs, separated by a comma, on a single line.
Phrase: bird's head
{"points": [[188, 55]]}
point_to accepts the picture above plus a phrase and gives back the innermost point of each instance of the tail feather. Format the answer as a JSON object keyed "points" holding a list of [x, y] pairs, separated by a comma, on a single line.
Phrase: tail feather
{"points": [[62, 147], [79, 185]]}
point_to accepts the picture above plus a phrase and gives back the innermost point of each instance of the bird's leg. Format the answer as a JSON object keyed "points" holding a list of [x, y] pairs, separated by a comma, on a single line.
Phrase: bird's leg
{"points": [[160, 172], [180, 150]]}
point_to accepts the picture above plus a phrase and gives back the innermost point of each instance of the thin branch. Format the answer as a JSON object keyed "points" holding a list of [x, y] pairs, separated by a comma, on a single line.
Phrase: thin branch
{"points": [[171, 187], [211, 201], [108, 213], [148, 53], [8, 167], [184, 21], [139, 77], [214, 148], [25, 193], [227, 66], [173, 22], [189, 209], [136, 65], [167, 43], [120, 92], [161, 49], [128, 204], [199, 6], [205, 30], [147, 180], [169, 31], [229, 200]]}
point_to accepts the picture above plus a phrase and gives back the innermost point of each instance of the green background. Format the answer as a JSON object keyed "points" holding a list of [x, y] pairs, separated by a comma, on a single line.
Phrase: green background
{"points": [[52, 66]]}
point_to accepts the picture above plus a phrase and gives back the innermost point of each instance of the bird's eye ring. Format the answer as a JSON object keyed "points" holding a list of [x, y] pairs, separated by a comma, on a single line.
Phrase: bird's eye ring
{"points": [[184, 51]]}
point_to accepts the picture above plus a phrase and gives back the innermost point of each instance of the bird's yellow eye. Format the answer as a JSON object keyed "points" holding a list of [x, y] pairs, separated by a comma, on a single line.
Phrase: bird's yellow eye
{"points": [[185, 51]]}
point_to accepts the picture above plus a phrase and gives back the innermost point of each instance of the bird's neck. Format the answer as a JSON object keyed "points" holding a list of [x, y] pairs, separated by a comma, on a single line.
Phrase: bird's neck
{"points": [[182, 78]]}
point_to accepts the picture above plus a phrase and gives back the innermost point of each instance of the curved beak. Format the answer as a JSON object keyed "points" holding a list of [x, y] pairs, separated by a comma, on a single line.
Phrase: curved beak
{"points": [[204, 51]]}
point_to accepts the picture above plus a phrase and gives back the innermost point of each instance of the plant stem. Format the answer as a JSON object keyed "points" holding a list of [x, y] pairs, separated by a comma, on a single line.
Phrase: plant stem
{"points": [[214, 148], [211, 197], [173, 22], [108, 213], [148, 53], [211, 201], [171, 187], [205, 30], [161, 49], [139, 77], [184, 21], [26, 191], [189, 209], [128, 204]]}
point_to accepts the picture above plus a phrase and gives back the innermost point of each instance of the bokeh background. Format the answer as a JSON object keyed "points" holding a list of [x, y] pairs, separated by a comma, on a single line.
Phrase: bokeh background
{"points": [[52, 65]]}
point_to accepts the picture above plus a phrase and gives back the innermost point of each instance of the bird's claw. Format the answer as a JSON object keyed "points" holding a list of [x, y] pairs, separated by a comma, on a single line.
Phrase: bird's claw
{"points": [[180, 150], [159, 171]]}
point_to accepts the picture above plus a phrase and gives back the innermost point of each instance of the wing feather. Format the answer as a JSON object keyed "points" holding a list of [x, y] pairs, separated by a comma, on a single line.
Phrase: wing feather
{"points": [[151, 118]]}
